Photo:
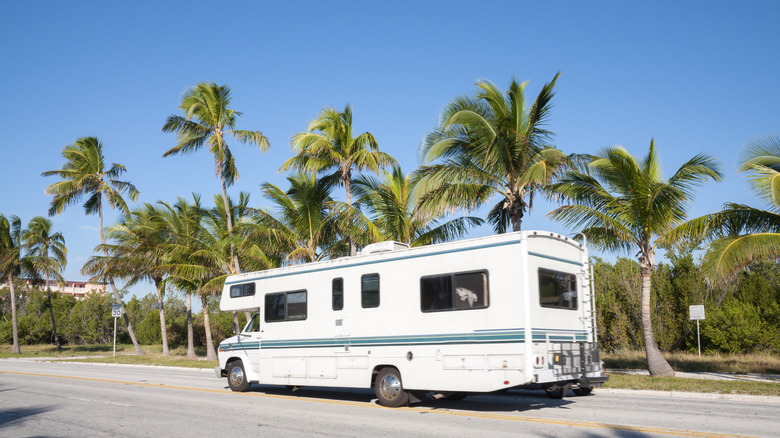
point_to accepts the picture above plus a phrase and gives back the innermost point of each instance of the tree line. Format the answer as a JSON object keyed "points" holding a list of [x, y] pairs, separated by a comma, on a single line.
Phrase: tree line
{"points": [[491, 147], [742, 316]]}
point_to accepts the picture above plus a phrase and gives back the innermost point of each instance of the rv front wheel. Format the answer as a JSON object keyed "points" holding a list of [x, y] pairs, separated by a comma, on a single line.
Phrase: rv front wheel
{"points": [[236, 377], [389, 389]]}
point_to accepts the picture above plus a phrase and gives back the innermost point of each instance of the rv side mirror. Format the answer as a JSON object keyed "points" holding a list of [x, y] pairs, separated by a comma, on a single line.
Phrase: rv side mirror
{"points": [[235, 328]]}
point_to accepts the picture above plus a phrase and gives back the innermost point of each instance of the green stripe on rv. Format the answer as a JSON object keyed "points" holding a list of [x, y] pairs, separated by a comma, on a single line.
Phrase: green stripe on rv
{"points": [[462, 338]]}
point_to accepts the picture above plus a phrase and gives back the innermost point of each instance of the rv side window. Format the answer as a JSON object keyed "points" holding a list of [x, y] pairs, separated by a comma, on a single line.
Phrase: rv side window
{"points": [[557, 289], [369, 290], [462, 291], [285, 306], [242, 290], [338, 293]]}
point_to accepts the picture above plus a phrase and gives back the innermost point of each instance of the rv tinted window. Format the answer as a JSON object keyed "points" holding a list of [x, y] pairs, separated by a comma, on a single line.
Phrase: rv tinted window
{"points": [[242, 290], [369, 290], [557, 289], [461, 291], [285, 306], [338, 293]]}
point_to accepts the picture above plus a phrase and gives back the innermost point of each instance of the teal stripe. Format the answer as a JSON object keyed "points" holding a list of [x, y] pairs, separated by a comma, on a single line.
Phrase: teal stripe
{"points": [[493, 337], [239, 346], [475, 338], [557, 259]]}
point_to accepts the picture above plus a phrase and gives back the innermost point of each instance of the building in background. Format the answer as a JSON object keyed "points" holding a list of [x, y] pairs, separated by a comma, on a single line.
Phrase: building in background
{"points": [[78, 289]]}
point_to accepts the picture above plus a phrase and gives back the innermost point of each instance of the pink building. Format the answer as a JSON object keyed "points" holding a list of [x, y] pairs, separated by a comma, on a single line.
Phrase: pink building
{"points": [[78, 289]]}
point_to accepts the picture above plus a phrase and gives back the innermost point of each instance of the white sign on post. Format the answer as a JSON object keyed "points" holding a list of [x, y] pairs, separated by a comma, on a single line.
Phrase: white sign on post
{"points": [[696, 314], [116, 312]]}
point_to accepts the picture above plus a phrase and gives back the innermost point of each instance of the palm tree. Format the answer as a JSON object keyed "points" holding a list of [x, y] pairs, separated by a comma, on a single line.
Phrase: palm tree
{"points": [[392, 204], [329, 144], [200, 256], [138, 252], [627, 206], [491, 145], [303, 225], [83, 174], [208, 119], [12, 264], [48, 255], [741, 235], [184, 222]]}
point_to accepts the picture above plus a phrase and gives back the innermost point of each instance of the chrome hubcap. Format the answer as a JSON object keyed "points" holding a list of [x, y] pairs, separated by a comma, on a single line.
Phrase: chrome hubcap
{"points": [[236, 376], [390, 387]]}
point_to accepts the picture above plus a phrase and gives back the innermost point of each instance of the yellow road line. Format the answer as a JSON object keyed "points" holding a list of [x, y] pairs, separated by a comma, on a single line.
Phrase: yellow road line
{"points": [[640, 429]]}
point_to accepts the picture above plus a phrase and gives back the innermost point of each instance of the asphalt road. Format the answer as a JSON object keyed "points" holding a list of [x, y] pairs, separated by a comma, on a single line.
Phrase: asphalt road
{"points": [[80, 400]]}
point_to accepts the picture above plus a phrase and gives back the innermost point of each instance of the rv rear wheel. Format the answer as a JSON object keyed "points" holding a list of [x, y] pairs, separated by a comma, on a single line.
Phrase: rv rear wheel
{"points": [[389, 389], [582, 391], [236, 377]]}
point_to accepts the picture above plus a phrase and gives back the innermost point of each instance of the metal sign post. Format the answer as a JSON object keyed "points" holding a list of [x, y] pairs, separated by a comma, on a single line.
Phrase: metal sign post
{"points": [[116, 312], [697, 313]]}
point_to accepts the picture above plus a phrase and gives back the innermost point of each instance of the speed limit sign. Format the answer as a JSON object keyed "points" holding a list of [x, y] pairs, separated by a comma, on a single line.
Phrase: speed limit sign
{"points": [[116, 310]]}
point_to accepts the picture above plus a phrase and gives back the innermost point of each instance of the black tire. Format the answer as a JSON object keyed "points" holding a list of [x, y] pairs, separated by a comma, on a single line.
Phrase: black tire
{"points": [[556, 393], [236, 377], [582, 391], [389, 389]]}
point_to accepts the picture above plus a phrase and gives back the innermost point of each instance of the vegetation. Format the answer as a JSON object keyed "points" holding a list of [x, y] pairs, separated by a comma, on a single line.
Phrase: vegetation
{"points": [[48, 255], [491, 145], [755, 363], [11, 263], [488, 145], [627, 206], [329, 143], [740, 234], [207, 119], [742, 317], [84, 174], [679, 384]]}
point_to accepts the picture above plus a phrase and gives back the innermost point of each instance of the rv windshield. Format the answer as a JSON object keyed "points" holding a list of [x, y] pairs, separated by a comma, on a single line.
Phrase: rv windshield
{"points": [[254, 324]]}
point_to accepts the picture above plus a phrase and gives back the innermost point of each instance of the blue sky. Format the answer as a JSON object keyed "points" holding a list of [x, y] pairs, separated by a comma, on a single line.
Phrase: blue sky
{"points": [[696, 76]]}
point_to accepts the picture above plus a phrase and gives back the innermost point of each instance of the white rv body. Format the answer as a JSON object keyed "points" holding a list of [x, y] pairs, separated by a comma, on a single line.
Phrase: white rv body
{"points": [[496, 328]]}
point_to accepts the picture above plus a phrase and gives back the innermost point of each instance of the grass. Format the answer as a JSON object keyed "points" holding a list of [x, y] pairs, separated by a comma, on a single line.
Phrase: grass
{"points": [[103, 353], [759, 363], [633, 381]]}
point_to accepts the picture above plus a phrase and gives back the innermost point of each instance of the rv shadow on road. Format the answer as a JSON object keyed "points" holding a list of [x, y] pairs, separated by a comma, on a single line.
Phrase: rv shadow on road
{"points": [[511, 401]]}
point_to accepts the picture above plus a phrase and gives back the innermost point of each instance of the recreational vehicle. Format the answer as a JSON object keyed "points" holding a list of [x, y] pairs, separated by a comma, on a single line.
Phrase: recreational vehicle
{"points": [[472, 316]]}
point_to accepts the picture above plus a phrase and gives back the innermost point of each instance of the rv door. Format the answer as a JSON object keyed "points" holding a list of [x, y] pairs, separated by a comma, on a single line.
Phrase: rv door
{"points": [[251, 338]]}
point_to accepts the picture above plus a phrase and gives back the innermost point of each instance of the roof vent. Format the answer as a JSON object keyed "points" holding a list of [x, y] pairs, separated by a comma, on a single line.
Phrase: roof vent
{"points": [[380, 247]]}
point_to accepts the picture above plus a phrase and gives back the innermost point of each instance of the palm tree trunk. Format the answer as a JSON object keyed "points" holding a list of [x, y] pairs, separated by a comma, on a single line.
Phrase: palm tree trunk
{"points": [[14, 327], [656, 364], [53, 323], [161, 305], [190, 341], [516, 211], [117, 298], [229, 220], [348, 187], [210, 353]]}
